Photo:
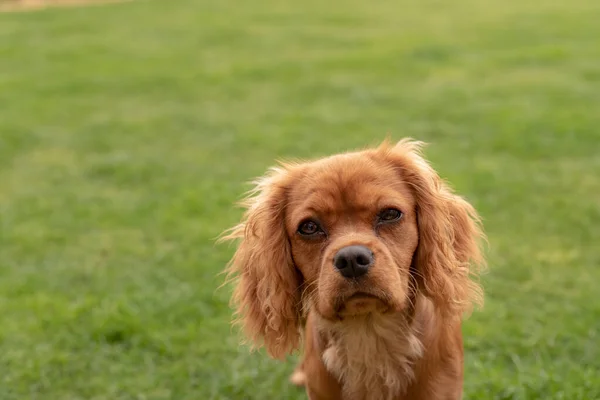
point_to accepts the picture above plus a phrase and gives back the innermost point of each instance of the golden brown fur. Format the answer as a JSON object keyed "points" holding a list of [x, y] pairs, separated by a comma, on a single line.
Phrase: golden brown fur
{"points": [[394, 333]]}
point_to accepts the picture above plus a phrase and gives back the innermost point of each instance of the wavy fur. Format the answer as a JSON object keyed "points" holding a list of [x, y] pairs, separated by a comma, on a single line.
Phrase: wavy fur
{"points": [[425, 273]]}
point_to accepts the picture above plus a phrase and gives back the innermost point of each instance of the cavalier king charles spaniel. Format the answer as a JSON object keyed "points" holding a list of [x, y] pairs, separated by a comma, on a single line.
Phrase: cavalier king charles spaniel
{"points": [[367, 261]]}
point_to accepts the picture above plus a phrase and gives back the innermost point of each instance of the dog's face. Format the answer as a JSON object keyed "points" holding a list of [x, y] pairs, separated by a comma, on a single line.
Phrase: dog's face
{"points": [[348, 235], [352, 224]]}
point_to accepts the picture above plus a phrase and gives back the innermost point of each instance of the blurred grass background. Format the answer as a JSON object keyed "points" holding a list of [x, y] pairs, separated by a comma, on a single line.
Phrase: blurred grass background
{"points": [[127, 132]]}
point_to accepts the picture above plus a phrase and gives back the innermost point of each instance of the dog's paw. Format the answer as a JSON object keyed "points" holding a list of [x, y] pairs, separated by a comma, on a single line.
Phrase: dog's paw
{"points": [[298, 377]]}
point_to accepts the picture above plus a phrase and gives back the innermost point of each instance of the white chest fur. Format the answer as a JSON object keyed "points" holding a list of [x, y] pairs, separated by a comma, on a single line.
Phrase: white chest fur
{"points": [[372, 355]]}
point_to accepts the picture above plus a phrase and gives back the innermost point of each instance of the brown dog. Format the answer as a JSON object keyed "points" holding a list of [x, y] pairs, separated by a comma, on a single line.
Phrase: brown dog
{"points": [[371, 255]]}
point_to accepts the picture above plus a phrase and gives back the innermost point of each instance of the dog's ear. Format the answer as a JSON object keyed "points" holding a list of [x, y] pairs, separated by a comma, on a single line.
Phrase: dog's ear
{"points": [[448, 255], [266, 295]]}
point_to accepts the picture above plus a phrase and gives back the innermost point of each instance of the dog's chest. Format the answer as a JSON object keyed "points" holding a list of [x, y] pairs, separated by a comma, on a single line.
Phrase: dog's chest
{"points": [[372, 361]]}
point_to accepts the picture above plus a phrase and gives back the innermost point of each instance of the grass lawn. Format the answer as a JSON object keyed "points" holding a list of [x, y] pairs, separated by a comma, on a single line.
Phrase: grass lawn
{"points": [[127, 132]]}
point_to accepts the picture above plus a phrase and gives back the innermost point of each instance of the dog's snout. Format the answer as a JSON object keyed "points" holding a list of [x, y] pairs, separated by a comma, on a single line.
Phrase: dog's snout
{"points": [[353, 261]]}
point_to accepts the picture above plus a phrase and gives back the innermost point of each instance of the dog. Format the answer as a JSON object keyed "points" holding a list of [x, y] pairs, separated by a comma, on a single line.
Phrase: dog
{"points": [[367, 260]]}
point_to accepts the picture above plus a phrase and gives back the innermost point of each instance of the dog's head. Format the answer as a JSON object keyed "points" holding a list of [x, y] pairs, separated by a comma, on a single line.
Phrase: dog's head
{"points": [[348, 235]]}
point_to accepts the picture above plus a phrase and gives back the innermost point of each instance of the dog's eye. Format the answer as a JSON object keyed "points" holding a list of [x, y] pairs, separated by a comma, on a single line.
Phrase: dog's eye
{"points": [[309, 228], [390, 215]]}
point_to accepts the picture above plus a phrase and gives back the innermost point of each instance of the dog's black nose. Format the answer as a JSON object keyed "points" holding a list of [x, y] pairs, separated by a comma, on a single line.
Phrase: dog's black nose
{"points": [[353, 261]]}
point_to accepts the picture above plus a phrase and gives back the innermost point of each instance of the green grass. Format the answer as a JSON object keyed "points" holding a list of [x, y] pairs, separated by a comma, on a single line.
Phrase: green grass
{"points": [[127, 132]]}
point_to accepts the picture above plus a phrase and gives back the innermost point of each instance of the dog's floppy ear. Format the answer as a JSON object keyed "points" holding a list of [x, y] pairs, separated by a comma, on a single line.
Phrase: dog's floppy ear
{"points": [[266, 294], [448, 254]]}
